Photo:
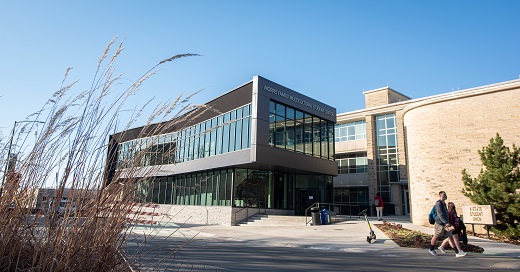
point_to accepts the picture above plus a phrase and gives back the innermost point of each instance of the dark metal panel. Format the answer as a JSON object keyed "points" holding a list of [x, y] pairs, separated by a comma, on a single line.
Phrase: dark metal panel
{"points": [[228, 101], [232, 159], [295, 162], [270, 159], [294, 99], [236, 98]]}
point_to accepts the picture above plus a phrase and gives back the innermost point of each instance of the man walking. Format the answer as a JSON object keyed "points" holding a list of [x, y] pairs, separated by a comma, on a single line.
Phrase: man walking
{"points": [[442, 225]]}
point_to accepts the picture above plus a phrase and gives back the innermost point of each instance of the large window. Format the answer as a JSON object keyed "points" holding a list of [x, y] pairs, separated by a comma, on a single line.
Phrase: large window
{"points": [[351, 200], [212, 188], [232, 187], [387, 156], [351, 131], [298, 131], [352, 163], [225, 133]]}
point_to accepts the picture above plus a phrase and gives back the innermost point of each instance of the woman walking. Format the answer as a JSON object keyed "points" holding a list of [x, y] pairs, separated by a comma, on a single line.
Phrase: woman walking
{"points": [[455, 222]]}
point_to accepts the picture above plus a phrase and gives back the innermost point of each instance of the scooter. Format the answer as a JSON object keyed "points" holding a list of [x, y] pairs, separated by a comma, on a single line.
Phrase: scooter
{"points": [[371, 238]]}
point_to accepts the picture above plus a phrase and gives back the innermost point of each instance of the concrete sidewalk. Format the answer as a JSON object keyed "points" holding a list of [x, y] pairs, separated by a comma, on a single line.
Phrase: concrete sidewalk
{"points": [[347, 236], [490, 247]]}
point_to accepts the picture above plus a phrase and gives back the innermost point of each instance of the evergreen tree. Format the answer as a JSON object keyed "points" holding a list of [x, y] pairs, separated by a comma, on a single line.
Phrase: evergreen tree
{"points": [[498, 184]]}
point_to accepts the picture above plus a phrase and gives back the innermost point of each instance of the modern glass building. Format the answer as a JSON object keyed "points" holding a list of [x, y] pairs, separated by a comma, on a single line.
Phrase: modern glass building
{"points": [[260, 145]]}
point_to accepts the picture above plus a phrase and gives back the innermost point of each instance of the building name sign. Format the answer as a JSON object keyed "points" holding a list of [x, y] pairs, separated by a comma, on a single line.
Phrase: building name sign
{"points": [[479, 214], [298, 100]]}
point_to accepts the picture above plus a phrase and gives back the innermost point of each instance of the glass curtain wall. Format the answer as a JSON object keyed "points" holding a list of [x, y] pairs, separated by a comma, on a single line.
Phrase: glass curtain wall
{"points": [[225, 133], [237, 187], [298, 131], [387, 159], [212, 188]]}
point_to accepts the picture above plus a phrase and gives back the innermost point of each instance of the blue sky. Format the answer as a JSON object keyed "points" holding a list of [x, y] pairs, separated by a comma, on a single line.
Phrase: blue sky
{"points": [[329, 50]]}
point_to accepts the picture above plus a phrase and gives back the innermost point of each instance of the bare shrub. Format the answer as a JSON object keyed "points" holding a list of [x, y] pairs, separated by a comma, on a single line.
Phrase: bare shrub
{"points": [[73, 140]]}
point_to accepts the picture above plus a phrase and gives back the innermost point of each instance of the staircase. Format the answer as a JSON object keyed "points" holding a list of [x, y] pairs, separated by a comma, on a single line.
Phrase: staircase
{"points": [[273, 220], [266, 220], [143, 214]]}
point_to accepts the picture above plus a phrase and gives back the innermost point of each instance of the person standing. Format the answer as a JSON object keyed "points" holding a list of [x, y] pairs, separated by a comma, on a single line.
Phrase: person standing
{"points": [[442, 227], [378, 202], [455, 222]]}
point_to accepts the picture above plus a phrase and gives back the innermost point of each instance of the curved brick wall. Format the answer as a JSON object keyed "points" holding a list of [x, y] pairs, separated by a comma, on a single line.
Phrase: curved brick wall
{"points": [[443, 136]]}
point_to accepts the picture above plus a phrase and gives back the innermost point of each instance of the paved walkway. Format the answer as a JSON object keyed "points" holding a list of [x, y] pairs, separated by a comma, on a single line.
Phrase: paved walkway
{"points": [[348, 236], [345, 236], [490, 247]]}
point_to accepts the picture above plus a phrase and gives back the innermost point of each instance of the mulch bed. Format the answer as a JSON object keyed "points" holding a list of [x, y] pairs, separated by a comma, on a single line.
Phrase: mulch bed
{"points": [[493, 237], [416, 239]]}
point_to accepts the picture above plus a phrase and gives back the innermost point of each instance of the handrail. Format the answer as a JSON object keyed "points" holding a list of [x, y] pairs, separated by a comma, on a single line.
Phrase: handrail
{"points": [[247, 211], [341, 204], [321, 204], [315, 204]]}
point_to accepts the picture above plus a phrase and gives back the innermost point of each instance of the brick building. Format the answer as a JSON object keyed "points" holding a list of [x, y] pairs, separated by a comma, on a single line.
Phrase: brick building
{"points": [[410, 149]]}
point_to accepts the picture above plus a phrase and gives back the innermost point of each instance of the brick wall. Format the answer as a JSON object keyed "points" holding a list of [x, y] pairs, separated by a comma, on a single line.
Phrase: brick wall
{"points": [[376, 98], [371, 167], [443, 138], [383, 96]]}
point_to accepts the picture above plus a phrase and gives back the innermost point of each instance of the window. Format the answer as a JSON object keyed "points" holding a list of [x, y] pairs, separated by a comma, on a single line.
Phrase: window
{"points": [[352, 163], [351, 131], [387, 154], [296, 131], [227, 132]]}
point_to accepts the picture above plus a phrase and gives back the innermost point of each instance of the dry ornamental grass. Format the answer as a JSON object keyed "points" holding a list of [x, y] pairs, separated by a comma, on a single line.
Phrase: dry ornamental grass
{"points": [[88, 235]]}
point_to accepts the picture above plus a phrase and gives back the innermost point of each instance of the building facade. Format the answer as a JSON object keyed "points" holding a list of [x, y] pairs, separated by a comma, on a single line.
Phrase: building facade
{"points": [[410, 149], [444, 134], [265, 146], [370, 154], [261, 145]]}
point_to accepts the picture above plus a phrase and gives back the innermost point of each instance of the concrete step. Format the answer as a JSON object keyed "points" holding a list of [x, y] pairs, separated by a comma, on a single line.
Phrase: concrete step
{"points": [[285, 220], [274, 220], [145, 213]]}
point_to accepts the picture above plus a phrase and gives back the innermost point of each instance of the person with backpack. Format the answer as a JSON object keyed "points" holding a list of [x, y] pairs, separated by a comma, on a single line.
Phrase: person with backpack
{"points": [[442, 227], [457, 224], [378, 202]]}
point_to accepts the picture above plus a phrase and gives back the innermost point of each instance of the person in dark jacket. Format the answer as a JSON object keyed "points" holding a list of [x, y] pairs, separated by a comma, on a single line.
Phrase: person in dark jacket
{"points": [[442, 227]]}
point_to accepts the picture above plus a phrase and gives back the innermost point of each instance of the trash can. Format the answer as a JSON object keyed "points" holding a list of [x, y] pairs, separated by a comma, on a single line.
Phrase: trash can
{"points": [[315, 214], [325, 217]]}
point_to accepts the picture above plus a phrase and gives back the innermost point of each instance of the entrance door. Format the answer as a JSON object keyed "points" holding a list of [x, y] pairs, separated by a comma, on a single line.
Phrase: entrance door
{"points": [[301, 201], [313, 196], [406, 202]]}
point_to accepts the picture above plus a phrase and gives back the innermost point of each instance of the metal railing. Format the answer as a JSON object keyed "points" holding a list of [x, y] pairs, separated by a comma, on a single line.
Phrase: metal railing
{"points": [[257, 205], [340, 210]]}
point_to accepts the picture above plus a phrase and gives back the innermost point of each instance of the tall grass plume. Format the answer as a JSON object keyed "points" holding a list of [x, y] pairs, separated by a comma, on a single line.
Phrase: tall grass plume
{"points": [[71, 137]]}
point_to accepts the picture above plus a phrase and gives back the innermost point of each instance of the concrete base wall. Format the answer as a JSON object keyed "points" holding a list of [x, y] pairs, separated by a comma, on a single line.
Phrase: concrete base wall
{"points": [[200, 215], [209, 215]]}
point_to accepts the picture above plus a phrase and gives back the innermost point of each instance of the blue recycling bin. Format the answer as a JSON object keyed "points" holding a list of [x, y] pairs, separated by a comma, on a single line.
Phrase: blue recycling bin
{"points": [[325, 217]]}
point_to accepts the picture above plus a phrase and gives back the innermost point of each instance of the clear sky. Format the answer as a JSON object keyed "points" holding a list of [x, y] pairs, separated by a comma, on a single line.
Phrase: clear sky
{"points": [[329, 50]]}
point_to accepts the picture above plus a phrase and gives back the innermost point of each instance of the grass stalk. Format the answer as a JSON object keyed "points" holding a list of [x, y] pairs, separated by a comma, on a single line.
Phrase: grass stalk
{"points": [[73, 139]]}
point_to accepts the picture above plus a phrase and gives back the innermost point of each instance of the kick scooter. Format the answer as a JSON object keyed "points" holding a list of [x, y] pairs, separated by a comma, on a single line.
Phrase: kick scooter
{"points": [[372, 236]]}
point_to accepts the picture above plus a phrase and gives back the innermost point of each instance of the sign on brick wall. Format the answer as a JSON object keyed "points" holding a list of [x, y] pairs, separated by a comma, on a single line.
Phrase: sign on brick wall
{"points": [[479, 214]]}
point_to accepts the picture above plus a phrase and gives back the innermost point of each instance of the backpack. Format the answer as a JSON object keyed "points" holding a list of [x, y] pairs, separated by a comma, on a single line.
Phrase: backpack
{"points": [[432, 215], [377, 202]]}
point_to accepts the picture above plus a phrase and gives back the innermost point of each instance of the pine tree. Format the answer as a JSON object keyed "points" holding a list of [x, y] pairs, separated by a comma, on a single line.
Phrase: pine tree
{"points": [[498, 184]]}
